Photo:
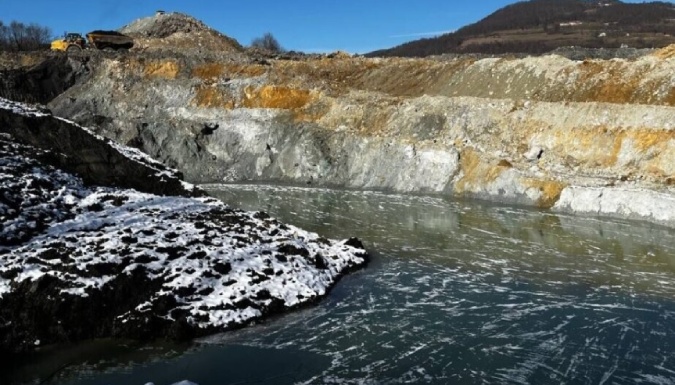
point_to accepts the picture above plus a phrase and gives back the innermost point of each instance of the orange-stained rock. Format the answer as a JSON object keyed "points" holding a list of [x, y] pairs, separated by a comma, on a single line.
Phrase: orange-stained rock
{"points": [[211, 97], [276, 97], [162, 69]]}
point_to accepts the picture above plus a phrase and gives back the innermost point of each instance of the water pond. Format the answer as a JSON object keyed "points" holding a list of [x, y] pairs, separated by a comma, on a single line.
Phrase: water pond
{"points": [[459, 292]]}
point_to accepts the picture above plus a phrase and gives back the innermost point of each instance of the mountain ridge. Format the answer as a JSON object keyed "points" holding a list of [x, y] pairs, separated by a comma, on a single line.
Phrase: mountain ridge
{"points": [[540, 26]]}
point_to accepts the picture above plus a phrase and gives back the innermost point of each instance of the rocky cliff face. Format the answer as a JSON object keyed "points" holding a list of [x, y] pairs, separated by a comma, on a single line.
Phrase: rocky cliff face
{"points": [[545, 131], [97, 160], [39, 77]]}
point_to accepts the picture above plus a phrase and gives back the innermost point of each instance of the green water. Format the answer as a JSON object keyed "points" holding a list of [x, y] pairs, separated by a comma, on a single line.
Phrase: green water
{"points": [[458, 293]]}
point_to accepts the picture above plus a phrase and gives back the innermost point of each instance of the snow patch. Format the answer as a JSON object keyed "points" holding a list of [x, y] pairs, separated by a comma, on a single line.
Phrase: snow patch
{"points": [[218, 267]]}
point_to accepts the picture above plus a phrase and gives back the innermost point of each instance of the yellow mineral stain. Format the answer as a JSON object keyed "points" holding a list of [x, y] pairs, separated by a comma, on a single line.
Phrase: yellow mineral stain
{"points": [[244, 71], [595, 146], [645, 139], [276, 97], [666, 53], [211, 97], [476, 172], [165, 70], [208, 71], [550, 191], [616, 149]]}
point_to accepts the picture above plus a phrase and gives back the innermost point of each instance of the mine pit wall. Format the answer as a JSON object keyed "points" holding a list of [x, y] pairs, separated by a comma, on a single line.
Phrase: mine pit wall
{"points": [[39, 77], [547, 132]]}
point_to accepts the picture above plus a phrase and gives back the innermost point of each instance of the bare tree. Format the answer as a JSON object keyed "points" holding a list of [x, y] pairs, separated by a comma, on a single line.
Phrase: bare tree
{"points": [[37, 36], [17, 33], [4, 32], [18, 36], [267, 42]]}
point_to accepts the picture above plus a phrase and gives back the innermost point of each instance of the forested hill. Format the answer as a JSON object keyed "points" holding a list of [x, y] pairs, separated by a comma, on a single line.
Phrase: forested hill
{"points": [[539, 26]]}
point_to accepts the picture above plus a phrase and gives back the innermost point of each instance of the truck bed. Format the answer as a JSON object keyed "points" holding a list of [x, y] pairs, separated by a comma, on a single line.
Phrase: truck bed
{"points": [[109, 39]]}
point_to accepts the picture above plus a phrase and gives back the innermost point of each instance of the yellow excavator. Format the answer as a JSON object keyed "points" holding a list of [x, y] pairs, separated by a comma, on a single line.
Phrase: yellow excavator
{"points": [[103, 40]]}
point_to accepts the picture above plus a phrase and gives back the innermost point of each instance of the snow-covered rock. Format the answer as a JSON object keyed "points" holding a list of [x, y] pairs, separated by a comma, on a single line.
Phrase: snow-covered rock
{"points": [[97, 160], [81, 261]]}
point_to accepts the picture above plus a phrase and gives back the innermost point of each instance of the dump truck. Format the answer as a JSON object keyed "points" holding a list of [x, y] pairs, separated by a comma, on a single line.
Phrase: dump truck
{"points": [[70, 42], [103, 40], [109, 40]]}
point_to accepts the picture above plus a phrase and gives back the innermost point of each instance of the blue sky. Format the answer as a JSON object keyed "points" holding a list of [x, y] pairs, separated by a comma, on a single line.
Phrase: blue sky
{"points": [[354, 26]]}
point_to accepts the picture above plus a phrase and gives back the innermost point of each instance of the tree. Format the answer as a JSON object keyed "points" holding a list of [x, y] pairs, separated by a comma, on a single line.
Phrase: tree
{"points": [[4, 31], [37, 36], [18, 36], [267, 42], [17, 32]]}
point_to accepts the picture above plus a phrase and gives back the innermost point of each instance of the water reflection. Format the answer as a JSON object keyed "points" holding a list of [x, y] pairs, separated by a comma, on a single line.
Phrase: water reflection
{"points": [[529, 243], [470, 292]]}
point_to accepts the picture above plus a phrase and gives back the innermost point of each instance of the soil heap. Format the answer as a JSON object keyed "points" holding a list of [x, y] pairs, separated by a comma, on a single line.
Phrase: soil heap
{"points": [[177, 31]]}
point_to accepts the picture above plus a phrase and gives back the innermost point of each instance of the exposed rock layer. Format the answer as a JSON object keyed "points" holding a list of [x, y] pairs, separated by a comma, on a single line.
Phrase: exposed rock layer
{"points": [[98, 160], [513, 130], [39, 78]]}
